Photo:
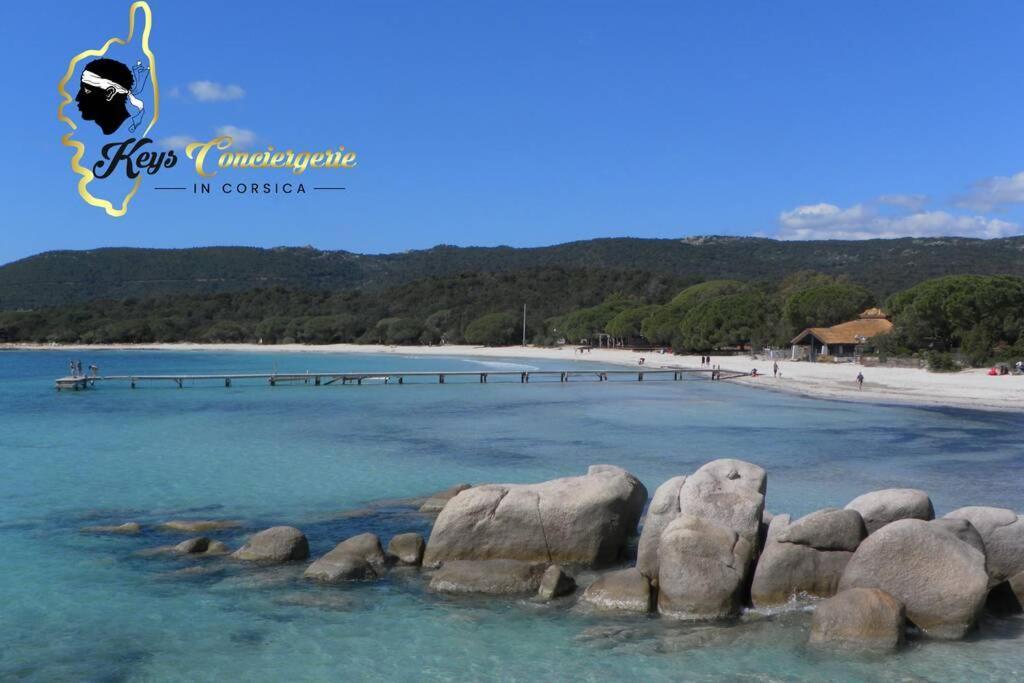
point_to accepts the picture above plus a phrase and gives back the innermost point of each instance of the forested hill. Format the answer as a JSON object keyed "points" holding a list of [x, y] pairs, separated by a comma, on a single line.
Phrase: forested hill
{"points": [[883, 266]]}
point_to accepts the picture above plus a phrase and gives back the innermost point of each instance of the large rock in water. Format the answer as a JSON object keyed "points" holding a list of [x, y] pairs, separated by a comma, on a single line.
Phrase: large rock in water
{"points": [[358, 558], [705, 554], [491, 577], [625, 590], [703, 569], [940, 578], [1002, 531], [663, 509], [576, 520], [879, 508], [806, 557], [274, 546], [859, 618]]}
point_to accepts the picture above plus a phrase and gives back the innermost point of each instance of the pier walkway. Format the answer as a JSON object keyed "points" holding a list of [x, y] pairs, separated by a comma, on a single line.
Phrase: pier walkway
{"points": [[402, 377]]}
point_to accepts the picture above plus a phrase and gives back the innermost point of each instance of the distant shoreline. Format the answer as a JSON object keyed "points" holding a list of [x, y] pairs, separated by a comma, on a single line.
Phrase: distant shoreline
{"points": [[968, 389]]}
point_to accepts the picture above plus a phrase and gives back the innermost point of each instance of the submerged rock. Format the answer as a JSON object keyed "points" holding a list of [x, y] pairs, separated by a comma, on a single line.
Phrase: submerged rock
{"points": [[940, 579], [217, 548], [555, 583], [274, 545], [859, 618], [325, 600], [1002, 531], [437, 501], [128, 528], [492, 577], [807, 556], [193, 545], [576, 520], [625, 590], [194, 526], [201, 546], [407, 549], [879, 508]]}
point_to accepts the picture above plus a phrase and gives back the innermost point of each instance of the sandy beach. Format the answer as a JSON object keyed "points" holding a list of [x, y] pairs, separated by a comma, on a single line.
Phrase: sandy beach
{"points": [[973, 389]]}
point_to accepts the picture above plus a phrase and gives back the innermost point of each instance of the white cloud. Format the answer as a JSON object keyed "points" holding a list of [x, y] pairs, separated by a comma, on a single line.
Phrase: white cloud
{"points": [[861, 221], [176, 141], [241, 137], [994, 193], [914, 202], [210, 91]]}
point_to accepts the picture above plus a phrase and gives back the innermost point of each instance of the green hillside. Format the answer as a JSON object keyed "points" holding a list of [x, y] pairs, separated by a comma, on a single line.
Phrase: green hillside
{"points": [[883, 266]]}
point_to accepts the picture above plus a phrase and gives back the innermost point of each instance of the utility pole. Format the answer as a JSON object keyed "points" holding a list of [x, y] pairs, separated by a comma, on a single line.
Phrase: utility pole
{"points": [[524, 324]]}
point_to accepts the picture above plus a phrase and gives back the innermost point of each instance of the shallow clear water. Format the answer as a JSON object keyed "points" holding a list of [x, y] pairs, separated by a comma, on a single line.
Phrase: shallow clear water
{"points": [[336, 461]]}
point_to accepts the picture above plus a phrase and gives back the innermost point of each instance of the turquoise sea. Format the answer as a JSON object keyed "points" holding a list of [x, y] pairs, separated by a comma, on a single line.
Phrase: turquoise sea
{"points": [[339, 460]]}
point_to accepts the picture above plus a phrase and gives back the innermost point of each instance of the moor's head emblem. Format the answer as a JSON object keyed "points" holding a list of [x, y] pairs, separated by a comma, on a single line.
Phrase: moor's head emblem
{"points": [[107, 94]]}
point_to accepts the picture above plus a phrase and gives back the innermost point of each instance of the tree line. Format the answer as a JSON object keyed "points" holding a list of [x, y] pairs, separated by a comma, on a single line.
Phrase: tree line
{"points": [[980, 316]]}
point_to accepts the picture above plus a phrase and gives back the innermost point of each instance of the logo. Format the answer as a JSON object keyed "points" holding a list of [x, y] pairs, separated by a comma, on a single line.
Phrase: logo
{"points": [[117, 108]]}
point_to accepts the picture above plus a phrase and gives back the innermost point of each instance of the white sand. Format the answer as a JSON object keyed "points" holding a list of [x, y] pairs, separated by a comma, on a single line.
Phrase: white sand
{"points": [[966, 389]]}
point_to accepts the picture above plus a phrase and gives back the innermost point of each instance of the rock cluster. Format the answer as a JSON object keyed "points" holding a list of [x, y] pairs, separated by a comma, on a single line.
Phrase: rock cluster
{"points": [[707, 550]]}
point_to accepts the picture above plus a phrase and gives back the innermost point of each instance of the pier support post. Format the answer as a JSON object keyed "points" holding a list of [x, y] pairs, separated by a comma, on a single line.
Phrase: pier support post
{"points": [[639, 377], [133, 382], [401, 379], [316, 381], [273, 382], [227, 381], [179, 381], [440, 379]]}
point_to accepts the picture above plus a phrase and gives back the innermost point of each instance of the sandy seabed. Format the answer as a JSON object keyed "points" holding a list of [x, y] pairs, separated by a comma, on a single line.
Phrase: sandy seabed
{"points": [[966, 389]]}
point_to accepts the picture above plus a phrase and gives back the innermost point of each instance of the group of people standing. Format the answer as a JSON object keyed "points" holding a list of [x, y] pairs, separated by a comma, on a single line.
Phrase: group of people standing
{"points": [[75, 367]]}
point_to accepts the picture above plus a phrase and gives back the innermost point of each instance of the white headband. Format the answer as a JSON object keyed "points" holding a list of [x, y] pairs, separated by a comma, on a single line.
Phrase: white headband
{"points": [[91, 79]]}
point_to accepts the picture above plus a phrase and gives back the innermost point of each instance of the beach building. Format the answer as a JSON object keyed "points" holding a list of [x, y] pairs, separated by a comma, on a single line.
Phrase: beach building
{"points": [[842, 341]]}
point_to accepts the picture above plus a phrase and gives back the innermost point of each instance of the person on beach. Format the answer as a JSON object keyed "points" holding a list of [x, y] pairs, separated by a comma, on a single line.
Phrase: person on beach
{"points": [[775, 369], [860, 380]]}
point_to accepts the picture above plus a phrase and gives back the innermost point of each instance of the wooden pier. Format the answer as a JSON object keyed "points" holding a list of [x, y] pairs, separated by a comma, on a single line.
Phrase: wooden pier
{"points": [[402, 377]]}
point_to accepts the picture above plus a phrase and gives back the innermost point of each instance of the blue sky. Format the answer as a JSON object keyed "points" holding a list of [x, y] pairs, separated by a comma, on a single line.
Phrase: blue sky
{"points": [[485, 123]]}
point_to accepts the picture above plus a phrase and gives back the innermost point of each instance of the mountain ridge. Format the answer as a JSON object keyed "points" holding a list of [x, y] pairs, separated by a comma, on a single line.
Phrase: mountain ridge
{"points": [[61, 277]]}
